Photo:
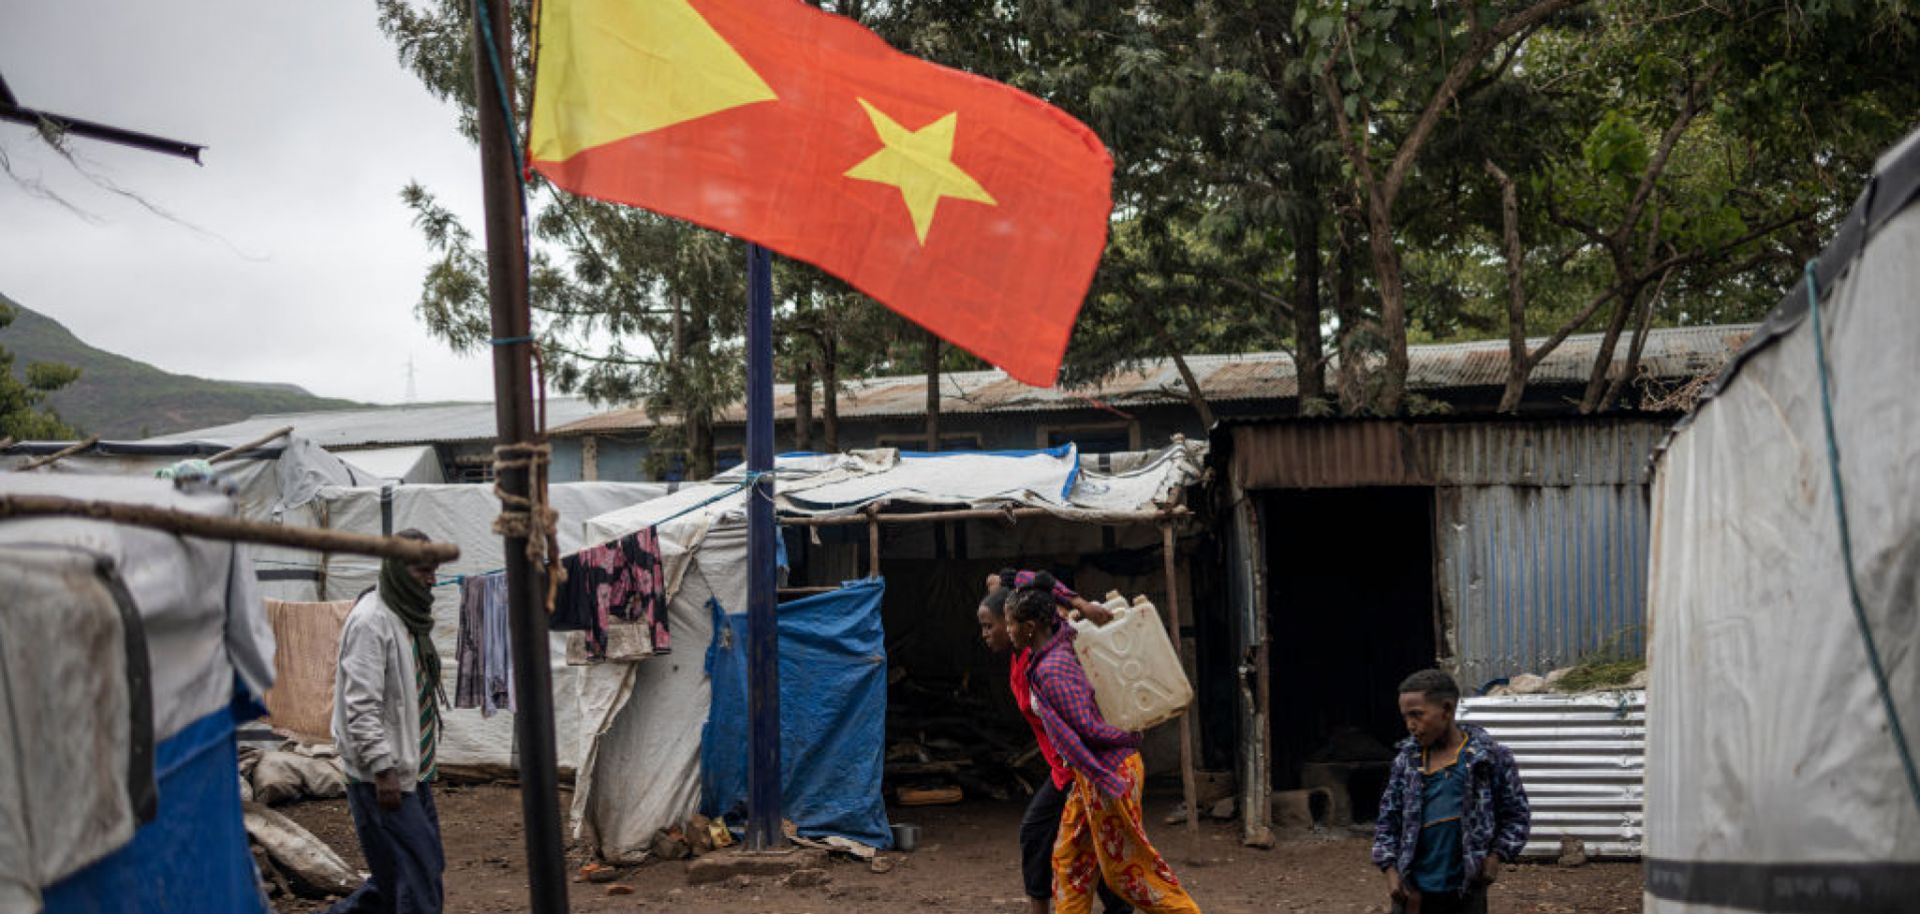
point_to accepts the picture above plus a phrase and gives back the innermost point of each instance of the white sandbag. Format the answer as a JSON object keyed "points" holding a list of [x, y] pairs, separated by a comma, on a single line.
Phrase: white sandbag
{"points": [[281, 776], [298, 853]]}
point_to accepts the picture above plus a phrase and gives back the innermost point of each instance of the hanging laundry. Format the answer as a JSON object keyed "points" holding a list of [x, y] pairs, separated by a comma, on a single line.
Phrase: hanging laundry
{"points": [[307, 647], [484, 649], [619, 581], [471, 668], [496, 648]]}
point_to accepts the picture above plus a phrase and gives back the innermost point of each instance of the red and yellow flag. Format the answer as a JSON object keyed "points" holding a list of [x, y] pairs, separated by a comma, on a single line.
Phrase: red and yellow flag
{"points": [[971, 208]]}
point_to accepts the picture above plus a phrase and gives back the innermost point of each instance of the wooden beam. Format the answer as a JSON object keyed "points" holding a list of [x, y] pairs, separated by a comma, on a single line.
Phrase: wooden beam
{"points": [[1010, 515], [232, 529], [58, 455], [1187, 778], [232, 452]]}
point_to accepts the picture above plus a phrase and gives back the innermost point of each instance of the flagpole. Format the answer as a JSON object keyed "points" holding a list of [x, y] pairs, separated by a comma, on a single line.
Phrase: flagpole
{"points": [[763, 647], [513, 411]]}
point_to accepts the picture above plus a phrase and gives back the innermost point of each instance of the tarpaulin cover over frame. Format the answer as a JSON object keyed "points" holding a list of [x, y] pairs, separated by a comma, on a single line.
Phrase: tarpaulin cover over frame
{"points": [[1773, 780], [188, 608], [833, 715]]}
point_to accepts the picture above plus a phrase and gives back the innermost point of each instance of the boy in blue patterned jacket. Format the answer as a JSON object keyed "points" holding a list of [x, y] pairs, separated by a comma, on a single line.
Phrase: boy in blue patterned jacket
{"points": [[1454, 809]]}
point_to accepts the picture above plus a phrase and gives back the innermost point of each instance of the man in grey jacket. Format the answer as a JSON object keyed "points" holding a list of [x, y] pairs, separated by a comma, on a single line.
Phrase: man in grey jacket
{"points": [[386, 725]]}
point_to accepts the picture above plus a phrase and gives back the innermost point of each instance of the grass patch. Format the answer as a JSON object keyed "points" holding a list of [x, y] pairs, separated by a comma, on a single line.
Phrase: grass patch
{"points": [[1597, 673]]}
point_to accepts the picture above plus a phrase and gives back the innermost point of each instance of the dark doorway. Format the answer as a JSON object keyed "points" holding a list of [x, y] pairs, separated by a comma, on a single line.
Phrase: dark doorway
{"points": [[1351, 604]]}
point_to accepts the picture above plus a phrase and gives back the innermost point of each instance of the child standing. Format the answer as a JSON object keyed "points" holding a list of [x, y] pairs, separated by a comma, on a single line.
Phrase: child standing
{"points": [[1454, 809]]}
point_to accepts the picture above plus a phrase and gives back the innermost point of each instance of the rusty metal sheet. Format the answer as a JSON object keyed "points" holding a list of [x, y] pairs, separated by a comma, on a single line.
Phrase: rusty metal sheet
{"points": [[1323, 455]]}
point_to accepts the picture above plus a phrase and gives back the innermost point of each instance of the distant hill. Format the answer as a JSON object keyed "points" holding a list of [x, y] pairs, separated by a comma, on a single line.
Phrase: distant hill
{"points": [[120, 399]]}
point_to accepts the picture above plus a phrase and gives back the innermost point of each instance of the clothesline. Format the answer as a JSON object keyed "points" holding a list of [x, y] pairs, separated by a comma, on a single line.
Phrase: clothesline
{"points": [[751, 478]]}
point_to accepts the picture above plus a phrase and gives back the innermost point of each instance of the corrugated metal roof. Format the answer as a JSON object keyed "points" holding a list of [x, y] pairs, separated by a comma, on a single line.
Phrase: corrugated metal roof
{"points": [[1670, 354], [1532, 452], [1582, 759], [384, 425]]}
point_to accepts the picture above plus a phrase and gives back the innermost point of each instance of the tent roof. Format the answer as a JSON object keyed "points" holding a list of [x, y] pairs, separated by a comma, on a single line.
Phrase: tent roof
{"points": [[429, 423], [1059, 481]]}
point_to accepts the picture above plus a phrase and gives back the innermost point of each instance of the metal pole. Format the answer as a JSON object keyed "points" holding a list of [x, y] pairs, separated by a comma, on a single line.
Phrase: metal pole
{"points": [[763, 646], [513, 410]]}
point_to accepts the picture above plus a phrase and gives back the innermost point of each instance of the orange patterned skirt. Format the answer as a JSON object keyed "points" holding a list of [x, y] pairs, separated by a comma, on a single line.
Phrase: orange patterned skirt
{"points": [[1106, 836]]}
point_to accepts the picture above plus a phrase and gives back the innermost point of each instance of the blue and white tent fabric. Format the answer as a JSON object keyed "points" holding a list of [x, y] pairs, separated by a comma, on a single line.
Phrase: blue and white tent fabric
{"points": [[833, 715], [126, 656]]}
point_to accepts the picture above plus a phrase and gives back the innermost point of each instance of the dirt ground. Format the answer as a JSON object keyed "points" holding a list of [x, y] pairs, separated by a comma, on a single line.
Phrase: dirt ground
{"points": [[965, 863]]}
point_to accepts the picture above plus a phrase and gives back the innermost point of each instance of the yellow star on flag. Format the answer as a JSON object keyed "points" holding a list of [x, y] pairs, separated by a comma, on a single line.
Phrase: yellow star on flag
{"points": [[920, 164]]}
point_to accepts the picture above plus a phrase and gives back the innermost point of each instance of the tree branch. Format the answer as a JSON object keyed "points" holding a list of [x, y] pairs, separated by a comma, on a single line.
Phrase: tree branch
{"points": [[1456, 77], [1518, 365], [1689, 106]]}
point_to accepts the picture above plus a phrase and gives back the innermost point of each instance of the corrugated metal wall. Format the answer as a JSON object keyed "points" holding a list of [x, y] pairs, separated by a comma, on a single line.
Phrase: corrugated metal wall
{"points": [[1540, 526], [1531, 579], [1582, 759]]}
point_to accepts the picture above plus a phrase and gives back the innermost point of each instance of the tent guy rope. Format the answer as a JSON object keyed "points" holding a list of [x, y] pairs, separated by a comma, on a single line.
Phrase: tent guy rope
{"points": [[1874, 663]]}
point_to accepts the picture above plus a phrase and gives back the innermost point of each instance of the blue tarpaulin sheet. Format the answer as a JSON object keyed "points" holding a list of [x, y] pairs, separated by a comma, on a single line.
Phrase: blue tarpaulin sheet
{"points": [[833, 714], [193, 856]]}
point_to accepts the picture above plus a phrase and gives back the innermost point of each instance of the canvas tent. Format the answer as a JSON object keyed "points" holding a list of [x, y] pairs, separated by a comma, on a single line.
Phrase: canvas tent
{"points": [[126, 656], [1774, 782], [294, 481], [642, 769], [461, 514]]}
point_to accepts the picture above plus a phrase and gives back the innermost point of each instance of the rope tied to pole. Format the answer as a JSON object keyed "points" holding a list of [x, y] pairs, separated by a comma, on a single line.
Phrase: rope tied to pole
{"points": [[529, 517]]}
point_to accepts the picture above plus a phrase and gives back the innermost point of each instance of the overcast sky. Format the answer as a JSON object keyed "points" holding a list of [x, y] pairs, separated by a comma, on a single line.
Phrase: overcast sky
{"points": [[312, 128]]}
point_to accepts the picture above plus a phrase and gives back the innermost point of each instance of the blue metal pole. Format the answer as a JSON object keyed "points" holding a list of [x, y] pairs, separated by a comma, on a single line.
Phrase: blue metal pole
{"points": [[763, 649]]}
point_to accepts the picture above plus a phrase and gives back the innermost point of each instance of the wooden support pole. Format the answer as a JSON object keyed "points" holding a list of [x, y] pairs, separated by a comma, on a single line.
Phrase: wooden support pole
{"points": [[233, 452], [58, 455], [207, 526], [873, 543], [1187, 786]]}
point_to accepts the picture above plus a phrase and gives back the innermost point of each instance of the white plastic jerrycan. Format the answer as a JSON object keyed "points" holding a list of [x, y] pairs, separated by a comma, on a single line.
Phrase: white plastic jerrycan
{"points": [[1136, 674]]}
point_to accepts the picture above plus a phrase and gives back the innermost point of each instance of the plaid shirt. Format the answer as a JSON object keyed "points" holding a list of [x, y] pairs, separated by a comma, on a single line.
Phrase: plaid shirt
{"points": [[1496, 817], [1064, 698]]}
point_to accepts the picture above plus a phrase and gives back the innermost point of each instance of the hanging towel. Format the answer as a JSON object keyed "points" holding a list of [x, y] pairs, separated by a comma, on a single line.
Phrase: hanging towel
{"points": [[306, 651]]}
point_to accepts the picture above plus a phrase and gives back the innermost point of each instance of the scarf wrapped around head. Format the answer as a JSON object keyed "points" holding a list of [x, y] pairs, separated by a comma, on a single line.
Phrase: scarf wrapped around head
{"points": [[412, 601]]}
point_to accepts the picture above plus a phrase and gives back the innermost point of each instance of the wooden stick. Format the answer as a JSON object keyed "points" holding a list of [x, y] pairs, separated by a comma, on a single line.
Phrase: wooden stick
{"points": [[233, 452], [1187, 785], [1009, 515], [873, 542], [67, 451], [227, 528]]}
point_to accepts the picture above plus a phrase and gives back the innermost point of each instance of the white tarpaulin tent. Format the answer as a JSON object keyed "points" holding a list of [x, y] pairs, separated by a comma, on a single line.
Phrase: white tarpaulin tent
{"points": [[461, 514], [1773, 780], [642, 770]]}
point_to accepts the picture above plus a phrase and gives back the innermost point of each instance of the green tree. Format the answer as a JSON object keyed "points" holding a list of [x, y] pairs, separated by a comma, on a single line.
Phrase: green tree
{"points": [[23, 413]]}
